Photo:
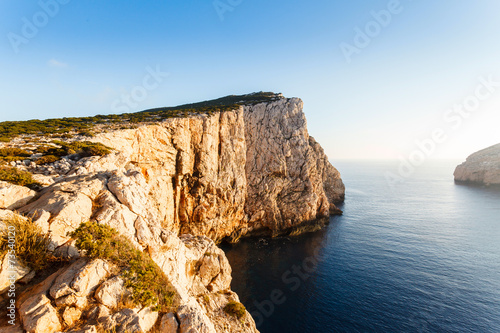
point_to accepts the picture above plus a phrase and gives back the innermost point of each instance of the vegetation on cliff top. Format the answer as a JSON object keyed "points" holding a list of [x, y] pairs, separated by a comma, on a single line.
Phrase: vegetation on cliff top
{"points": [[16, 176], [53, 152], [84, 125], [149, 285]]}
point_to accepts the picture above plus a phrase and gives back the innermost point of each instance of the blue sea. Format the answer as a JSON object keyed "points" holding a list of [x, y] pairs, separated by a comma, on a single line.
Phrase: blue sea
{"points": [[422, 255]]}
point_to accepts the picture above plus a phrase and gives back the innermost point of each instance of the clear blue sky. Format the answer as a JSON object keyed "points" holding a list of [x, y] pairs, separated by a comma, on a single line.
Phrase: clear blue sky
{"points": [[394, 91]]}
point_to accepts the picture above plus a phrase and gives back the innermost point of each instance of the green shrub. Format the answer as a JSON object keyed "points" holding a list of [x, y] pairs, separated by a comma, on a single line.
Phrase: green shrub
{"points": [[87, 148], [84, 148], [13, 154], [47, 159], [87, 133], [149, 285], [31, 244], [235, 309], [16, 176]]}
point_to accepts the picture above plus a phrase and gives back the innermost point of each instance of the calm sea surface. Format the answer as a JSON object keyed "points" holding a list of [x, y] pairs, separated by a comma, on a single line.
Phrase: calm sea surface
{"points": [[422, 256]]}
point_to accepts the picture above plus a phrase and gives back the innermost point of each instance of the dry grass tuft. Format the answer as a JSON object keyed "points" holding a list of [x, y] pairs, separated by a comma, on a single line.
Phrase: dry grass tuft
{"points": [[31, 244]]}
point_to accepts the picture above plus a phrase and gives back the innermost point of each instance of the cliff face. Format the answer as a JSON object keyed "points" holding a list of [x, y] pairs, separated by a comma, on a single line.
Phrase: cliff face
{"points": [[482, 167], [251, 170], [254, 169]]}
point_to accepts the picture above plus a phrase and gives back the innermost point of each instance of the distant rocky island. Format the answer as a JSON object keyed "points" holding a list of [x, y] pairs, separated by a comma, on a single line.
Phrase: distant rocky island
{"points": [[482, 167], [129, 210]]}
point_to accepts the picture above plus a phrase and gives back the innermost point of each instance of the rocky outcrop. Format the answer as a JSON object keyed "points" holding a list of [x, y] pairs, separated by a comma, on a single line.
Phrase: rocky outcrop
{"points": [[14, 196], [38, 315], [87, 295], [11, 272], [251, 170], [174, 189], [482, 167]]}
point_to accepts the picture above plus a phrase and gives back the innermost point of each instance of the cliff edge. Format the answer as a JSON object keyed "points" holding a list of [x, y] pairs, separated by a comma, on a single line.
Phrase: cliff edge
{"points": [[173, 188], [482, 167]]}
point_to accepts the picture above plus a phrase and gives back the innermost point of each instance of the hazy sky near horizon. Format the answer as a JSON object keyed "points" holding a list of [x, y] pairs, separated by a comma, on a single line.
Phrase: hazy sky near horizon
{"points": [[373, 84]]}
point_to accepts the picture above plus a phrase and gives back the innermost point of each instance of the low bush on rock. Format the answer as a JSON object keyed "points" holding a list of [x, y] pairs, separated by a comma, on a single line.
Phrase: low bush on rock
{"points": [[13, 154], [47, 159], [16, 176], [31, 244], [148, 283], [235, 309], [84, 148]]}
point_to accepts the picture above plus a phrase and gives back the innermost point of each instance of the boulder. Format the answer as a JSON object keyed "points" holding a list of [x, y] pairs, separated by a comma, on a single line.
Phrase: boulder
{"points": [[78, 281], [11, 269], [39, 316], [192, 318], [129, 320], [110, 292], [13, 196], [71, 315], [169, 323]]}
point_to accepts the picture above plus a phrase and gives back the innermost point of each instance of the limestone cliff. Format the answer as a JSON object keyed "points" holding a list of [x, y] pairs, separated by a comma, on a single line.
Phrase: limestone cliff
{"points": [[254, 169], [482, 167], [175, 187]]}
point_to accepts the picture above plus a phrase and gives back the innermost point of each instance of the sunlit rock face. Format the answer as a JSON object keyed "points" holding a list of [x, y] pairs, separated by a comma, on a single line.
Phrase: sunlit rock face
{"points": [[237, 172], [175, 189], [482, 167]]}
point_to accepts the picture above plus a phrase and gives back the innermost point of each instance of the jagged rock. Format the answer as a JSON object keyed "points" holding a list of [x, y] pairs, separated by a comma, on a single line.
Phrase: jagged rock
{"points": [[111, 292], [97, 313], [71, 315], [193, 319], [169, 323], [11, 269], [41, 288], [62, 285], [482, 167], [27, 278], [332, 183], [80, 279], [128, 320], [131, 189], [86, 329], [117, 216], [209, 269], [147, 318], [285, 187], [6, 214], [13, 196], [215, 303], [39, 316], [89, 277]]}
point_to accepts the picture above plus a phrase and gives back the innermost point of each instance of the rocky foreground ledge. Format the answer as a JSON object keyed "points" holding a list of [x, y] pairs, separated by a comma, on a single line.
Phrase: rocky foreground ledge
{"points": [[173, 189], [482, 167]]}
